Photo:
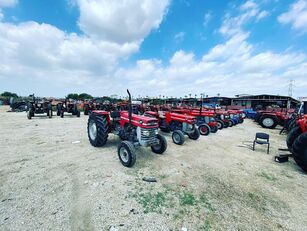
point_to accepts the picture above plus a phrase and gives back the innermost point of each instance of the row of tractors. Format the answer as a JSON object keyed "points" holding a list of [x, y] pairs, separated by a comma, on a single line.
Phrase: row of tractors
{"points": [[42, 106], [294, 123], [138, 126]]}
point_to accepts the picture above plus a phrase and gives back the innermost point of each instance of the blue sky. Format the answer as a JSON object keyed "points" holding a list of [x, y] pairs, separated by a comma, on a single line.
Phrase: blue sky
{"points": [[174, 48]]}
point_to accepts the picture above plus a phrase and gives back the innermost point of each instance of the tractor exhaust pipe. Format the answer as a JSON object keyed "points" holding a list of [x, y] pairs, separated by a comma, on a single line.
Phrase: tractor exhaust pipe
{"points": [[305, 107], [129, 108], [201, 104]]}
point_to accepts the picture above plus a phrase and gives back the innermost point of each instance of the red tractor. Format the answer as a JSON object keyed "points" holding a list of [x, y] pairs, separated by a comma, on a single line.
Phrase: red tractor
{"points": [[222, 119], [297, 140], [134, 130], [205, 120], [179, 124]]}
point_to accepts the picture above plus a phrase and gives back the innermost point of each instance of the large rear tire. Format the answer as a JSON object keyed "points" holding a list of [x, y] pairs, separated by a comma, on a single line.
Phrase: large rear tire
{"points": [[97, 130], [195, 135], [268, 122], [161, 146], [230, 123], [300, 151], [178, 137], [292, 135], [204, 129], [226, 124], [126, 153]]}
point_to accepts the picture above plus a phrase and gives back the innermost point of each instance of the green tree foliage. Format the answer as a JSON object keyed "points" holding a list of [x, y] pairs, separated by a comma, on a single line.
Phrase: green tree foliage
{"points": [[73, 96], [85, 96], [9, 94]]}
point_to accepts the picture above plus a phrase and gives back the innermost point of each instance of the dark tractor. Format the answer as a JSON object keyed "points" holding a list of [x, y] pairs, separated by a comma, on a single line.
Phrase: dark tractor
{"points": [[69, 106], [134, 130], [177, 123], [297, 140], [93, 104], [236, 116], [38, 106]]}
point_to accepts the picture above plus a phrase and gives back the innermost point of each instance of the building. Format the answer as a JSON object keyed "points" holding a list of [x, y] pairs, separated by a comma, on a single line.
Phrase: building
{"points": [[262, 101]]}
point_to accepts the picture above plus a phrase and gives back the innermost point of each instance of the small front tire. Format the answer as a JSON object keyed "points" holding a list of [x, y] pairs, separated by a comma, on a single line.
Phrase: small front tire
{"points": [[178, 137], [204, 129], [126, 153], [195, 135], [161, 146]]}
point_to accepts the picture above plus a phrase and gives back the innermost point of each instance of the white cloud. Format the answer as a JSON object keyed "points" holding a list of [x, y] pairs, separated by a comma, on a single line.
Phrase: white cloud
{"points": [[248, 11], [179, 37], [8, 3], [34, 54], [296, 16], [121, 21], [228, 68], [207, 18]]}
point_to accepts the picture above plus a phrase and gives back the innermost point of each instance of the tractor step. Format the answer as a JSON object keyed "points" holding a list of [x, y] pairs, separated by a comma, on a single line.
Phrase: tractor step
{"points": [[283, 149]]}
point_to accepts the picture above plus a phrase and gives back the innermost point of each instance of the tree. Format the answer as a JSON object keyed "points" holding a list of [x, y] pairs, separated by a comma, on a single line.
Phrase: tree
{"points": [[9, 94], [72, 96], [85, 96]]}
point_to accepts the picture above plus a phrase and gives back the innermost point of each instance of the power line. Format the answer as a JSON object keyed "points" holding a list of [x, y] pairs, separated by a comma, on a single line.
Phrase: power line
{"points": [[290, 89]]}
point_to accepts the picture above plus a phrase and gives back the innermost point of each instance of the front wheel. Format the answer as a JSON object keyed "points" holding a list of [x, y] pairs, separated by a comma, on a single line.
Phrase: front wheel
{"points": [[230, 123], [178, 137], [161, 146], [195, 135], [126, 153], [220, 124], [29, 114], [214, 129], [204, 129]]}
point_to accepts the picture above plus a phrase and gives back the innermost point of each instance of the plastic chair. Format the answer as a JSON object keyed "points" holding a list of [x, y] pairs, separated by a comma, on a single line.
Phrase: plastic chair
{"points": [[262, 138]]}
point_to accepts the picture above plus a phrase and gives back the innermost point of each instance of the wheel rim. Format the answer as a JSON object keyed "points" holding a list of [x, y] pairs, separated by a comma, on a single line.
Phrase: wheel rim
{"points": [[203, 129], [124, 154], [93, 130], [219, 125], [268, 122], [157, 146], [176, 137]]}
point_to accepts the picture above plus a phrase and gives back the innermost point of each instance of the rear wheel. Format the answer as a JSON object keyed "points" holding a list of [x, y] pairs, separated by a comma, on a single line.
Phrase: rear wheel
{"points": [[220, 124], [214, 129], [300, 151], [29, 114], [126, 153], [86, 109], [292, 135], [230, 123], [97, 130], [226, 124], [268, 122], [50, 113], [204, 129], [161, 146], [241, 120], [178, 137], [195, 135]]}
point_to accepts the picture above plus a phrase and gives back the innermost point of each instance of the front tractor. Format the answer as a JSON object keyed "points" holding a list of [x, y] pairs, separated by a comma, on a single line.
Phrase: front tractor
{"points": [[36, 106], [176, 123], [69, 106], [134, 130]]}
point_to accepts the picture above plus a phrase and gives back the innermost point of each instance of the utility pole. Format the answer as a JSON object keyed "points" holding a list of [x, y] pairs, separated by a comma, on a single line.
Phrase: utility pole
{"points": [[290, 90]]}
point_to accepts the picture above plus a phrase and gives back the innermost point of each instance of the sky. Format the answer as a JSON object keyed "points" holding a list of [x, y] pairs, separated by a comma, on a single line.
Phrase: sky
{"points": [[167, 47]]}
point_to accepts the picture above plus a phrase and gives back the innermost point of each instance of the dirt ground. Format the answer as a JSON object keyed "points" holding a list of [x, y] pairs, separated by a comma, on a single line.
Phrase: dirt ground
{"points": [[50, 182]]}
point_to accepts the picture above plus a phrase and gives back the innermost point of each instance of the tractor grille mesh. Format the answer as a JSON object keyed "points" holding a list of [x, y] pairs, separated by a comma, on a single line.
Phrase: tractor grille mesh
{"points": [[148, 134]]}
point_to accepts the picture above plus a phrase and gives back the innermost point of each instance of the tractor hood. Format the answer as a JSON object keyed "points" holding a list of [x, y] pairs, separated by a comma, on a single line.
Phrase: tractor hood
{"points": [[203, 113], [181, 117], [139, 120]]}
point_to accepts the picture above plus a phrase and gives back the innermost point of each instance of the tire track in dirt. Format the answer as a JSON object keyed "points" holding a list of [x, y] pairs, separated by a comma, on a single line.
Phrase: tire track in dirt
{"points": [[81, 218]]}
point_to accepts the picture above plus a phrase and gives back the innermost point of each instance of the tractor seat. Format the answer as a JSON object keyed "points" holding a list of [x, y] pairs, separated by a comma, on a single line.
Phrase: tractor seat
{"points": [[115, 114]]}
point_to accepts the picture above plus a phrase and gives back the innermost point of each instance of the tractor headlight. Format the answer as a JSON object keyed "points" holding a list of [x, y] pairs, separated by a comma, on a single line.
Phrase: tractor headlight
{"points": [[156, 132], [141, 121]]}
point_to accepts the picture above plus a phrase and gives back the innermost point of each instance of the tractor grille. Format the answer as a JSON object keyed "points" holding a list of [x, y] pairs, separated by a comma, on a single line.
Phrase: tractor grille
{"points": [[148, 135]]}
